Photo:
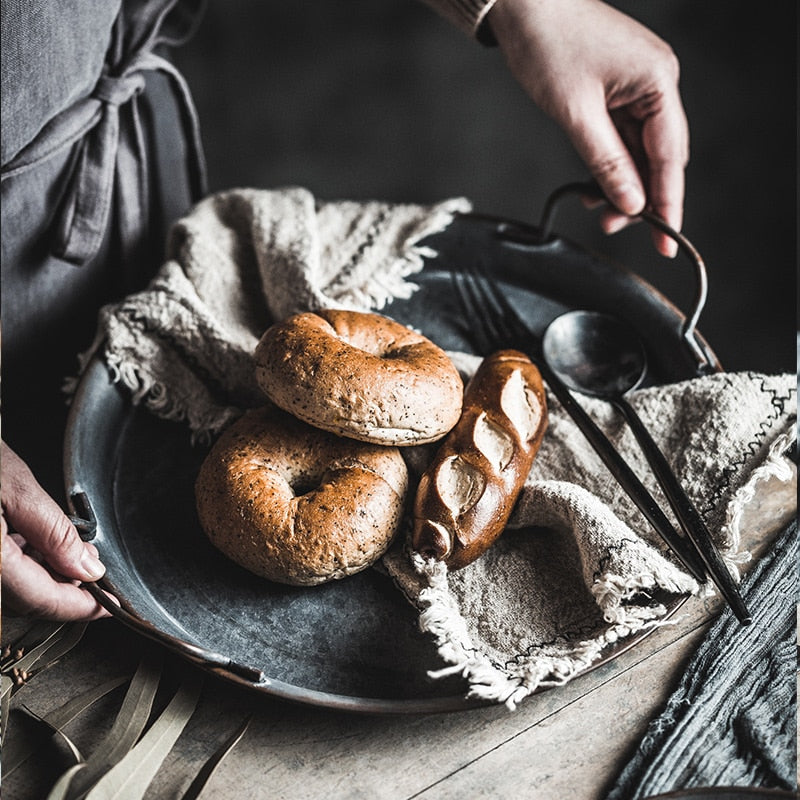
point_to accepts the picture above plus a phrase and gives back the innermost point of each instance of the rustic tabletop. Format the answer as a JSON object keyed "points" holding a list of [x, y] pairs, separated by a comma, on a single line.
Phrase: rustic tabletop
{"points": [[568, 741]]}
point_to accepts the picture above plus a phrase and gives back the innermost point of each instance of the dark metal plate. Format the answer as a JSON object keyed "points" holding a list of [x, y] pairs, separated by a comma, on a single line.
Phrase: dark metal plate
{"points": [[351, 644]]}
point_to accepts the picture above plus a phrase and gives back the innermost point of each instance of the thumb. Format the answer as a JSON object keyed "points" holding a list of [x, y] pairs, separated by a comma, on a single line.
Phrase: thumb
{"points": [[599, 144], [31, 512]]}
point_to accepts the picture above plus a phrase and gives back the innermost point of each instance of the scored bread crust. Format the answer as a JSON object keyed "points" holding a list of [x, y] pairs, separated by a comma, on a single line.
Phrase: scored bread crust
{"points": [[466, 495], [360, 375], [298, 505]]}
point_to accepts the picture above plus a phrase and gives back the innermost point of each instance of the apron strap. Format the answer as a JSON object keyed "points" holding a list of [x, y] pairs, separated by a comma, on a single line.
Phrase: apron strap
{"points": [[113, 155]]}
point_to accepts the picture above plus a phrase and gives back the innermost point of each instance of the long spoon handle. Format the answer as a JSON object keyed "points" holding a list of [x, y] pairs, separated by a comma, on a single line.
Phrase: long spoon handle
{"points": [[626, 477], [686, 512]]}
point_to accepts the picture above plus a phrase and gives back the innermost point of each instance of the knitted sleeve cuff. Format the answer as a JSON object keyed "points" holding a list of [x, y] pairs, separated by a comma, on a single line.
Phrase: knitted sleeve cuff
{"points": [[467, 15]]}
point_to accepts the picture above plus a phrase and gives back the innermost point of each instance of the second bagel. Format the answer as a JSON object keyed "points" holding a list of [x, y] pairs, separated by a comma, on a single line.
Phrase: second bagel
{"points": [[360, 375], [298, 505]]}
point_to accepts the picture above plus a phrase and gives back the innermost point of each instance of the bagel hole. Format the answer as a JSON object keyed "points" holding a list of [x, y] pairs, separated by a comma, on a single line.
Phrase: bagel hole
{"points": [[394, 353], [301, 488], [303, 482]]}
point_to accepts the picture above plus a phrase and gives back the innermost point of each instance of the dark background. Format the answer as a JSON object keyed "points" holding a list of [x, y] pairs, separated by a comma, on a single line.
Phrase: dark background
{"points": [[385, 100]]}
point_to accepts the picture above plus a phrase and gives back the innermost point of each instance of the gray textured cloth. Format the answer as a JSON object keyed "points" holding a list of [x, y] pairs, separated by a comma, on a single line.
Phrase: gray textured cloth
{"points": [[50, 57], [732, 721], [579, 568]]}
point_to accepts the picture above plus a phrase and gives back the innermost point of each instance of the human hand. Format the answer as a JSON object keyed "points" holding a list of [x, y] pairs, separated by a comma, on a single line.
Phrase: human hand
{"points": [[612, 85], [44, 558]]}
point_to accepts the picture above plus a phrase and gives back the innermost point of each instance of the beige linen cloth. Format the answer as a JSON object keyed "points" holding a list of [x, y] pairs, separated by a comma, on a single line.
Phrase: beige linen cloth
{"points": [[578, 568]]}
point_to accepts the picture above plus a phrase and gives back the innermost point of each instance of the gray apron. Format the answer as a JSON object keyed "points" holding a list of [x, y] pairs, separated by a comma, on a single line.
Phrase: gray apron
{"points": [[114, 159]]}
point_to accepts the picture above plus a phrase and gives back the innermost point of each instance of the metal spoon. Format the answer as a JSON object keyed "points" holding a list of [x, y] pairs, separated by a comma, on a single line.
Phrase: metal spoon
{"points": [[602, 356]]}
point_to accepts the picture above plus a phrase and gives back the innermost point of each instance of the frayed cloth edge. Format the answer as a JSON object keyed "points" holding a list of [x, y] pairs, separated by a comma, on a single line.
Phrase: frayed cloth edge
{"points": [[145, 390], [390, 281], [776, 465], [440, 617]]}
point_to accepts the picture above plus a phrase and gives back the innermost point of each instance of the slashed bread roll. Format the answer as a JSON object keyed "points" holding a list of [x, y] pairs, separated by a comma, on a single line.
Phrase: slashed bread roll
{"points": [[466, 495]]}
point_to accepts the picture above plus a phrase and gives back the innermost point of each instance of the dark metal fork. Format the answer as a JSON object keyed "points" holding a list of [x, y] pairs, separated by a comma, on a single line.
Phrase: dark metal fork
{"points": [[495, 324]]}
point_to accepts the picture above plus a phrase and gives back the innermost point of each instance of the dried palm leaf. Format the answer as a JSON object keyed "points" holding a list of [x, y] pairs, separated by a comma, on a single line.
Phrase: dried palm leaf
{"points": [[19, 749], [61, 787], [208, 769], [126, 729], [6, 685], [129, 779], [35, 635], [60, 640]]}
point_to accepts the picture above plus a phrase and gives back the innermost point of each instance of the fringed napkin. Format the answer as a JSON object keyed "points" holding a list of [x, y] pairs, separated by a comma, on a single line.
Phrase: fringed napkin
{"points": [[578, 568], [238, 262]]}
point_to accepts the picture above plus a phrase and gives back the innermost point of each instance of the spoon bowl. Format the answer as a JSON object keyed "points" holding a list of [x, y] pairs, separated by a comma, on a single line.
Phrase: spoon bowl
{"points": [[595, 354]]}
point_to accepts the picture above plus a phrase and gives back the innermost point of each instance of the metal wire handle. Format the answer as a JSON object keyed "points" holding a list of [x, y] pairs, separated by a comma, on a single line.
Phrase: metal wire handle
{"points": [[705, 363], [87, 528]]}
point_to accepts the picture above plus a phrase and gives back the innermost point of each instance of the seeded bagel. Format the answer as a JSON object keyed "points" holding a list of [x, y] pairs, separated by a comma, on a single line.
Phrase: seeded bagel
{"points": [[360, 375], [296, 504]]}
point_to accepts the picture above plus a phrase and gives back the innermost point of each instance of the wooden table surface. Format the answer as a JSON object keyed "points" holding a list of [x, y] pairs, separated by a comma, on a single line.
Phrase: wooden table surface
{"points": [[569, 741]]}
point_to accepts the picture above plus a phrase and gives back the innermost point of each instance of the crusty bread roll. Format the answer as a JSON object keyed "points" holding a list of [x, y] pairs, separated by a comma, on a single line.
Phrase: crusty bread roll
{"points": [[360, 375], [298, 505], [466, 495]]}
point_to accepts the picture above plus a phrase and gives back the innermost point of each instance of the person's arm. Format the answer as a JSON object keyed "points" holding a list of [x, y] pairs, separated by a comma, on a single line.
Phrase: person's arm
{"points": [[43, 557], [610, 83]]}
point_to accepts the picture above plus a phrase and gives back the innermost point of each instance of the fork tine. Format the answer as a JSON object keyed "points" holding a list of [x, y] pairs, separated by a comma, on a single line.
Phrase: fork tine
{"points": [[482, 333], [516, 331], [487, 307], [491, 309]]}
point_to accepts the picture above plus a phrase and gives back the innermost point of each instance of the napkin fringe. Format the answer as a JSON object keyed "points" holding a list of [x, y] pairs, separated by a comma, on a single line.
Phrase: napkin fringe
{"points": [[388, 279], [776, 465], [204, 423], [147, 390], [440, 617], [612, 591]]}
